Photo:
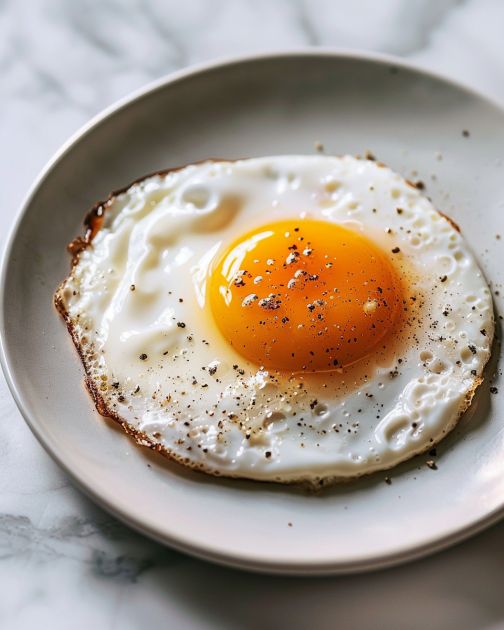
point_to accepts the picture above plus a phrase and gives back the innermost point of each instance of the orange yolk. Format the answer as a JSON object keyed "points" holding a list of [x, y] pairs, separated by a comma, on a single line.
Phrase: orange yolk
{"points": [[304, 295]]}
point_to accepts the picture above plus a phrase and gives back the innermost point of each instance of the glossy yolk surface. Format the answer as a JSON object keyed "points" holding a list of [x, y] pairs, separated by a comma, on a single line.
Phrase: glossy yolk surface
{"points": [[304, 295]]}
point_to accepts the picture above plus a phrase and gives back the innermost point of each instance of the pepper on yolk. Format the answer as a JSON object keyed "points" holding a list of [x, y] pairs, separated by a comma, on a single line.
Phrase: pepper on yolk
{"points": [[304, 295]]}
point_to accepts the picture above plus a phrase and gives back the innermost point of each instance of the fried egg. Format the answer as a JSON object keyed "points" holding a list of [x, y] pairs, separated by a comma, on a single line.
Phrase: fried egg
{"points": [[292, 318]]}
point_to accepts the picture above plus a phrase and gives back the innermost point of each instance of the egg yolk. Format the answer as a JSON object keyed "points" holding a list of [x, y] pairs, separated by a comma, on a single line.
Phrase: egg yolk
{"points": [[304, 295]]}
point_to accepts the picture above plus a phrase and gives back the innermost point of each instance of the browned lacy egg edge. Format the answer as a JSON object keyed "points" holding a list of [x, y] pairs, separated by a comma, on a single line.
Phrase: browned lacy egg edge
{"points": [[93, 222]]}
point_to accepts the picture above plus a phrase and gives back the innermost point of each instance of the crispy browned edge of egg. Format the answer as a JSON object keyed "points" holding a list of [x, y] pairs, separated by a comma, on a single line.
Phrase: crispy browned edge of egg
{"points": [[93, 222]]}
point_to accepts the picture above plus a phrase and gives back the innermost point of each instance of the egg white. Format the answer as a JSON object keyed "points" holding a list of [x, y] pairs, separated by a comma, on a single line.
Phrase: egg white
{"points": [[135, 304]]}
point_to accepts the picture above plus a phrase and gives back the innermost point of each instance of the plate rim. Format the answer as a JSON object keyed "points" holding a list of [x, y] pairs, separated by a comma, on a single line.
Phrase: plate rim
{"points": [[179, 543]]}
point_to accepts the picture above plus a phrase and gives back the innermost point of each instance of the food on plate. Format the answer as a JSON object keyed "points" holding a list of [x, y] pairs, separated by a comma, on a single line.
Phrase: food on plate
{"points": [[291, 318]]}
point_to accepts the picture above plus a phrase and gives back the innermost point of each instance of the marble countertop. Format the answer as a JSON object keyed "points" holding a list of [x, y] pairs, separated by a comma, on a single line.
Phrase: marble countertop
{"points": [[63, 561]]}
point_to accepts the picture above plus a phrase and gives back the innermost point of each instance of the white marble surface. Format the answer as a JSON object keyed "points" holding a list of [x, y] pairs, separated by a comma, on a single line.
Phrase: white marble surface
{"points": [[65, 563]]}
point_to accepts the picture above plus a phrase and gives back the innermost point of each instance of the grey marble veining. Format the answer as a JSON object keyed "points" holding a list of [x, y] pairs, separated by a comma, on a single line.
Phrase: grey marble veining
{"points": [[64, 562]]}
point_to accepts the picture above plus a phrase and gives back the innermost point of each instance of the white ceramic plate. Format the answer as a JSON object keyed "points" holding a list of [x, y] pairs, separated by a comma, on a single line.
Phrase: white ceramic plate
{"points": [[257, 106]]}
